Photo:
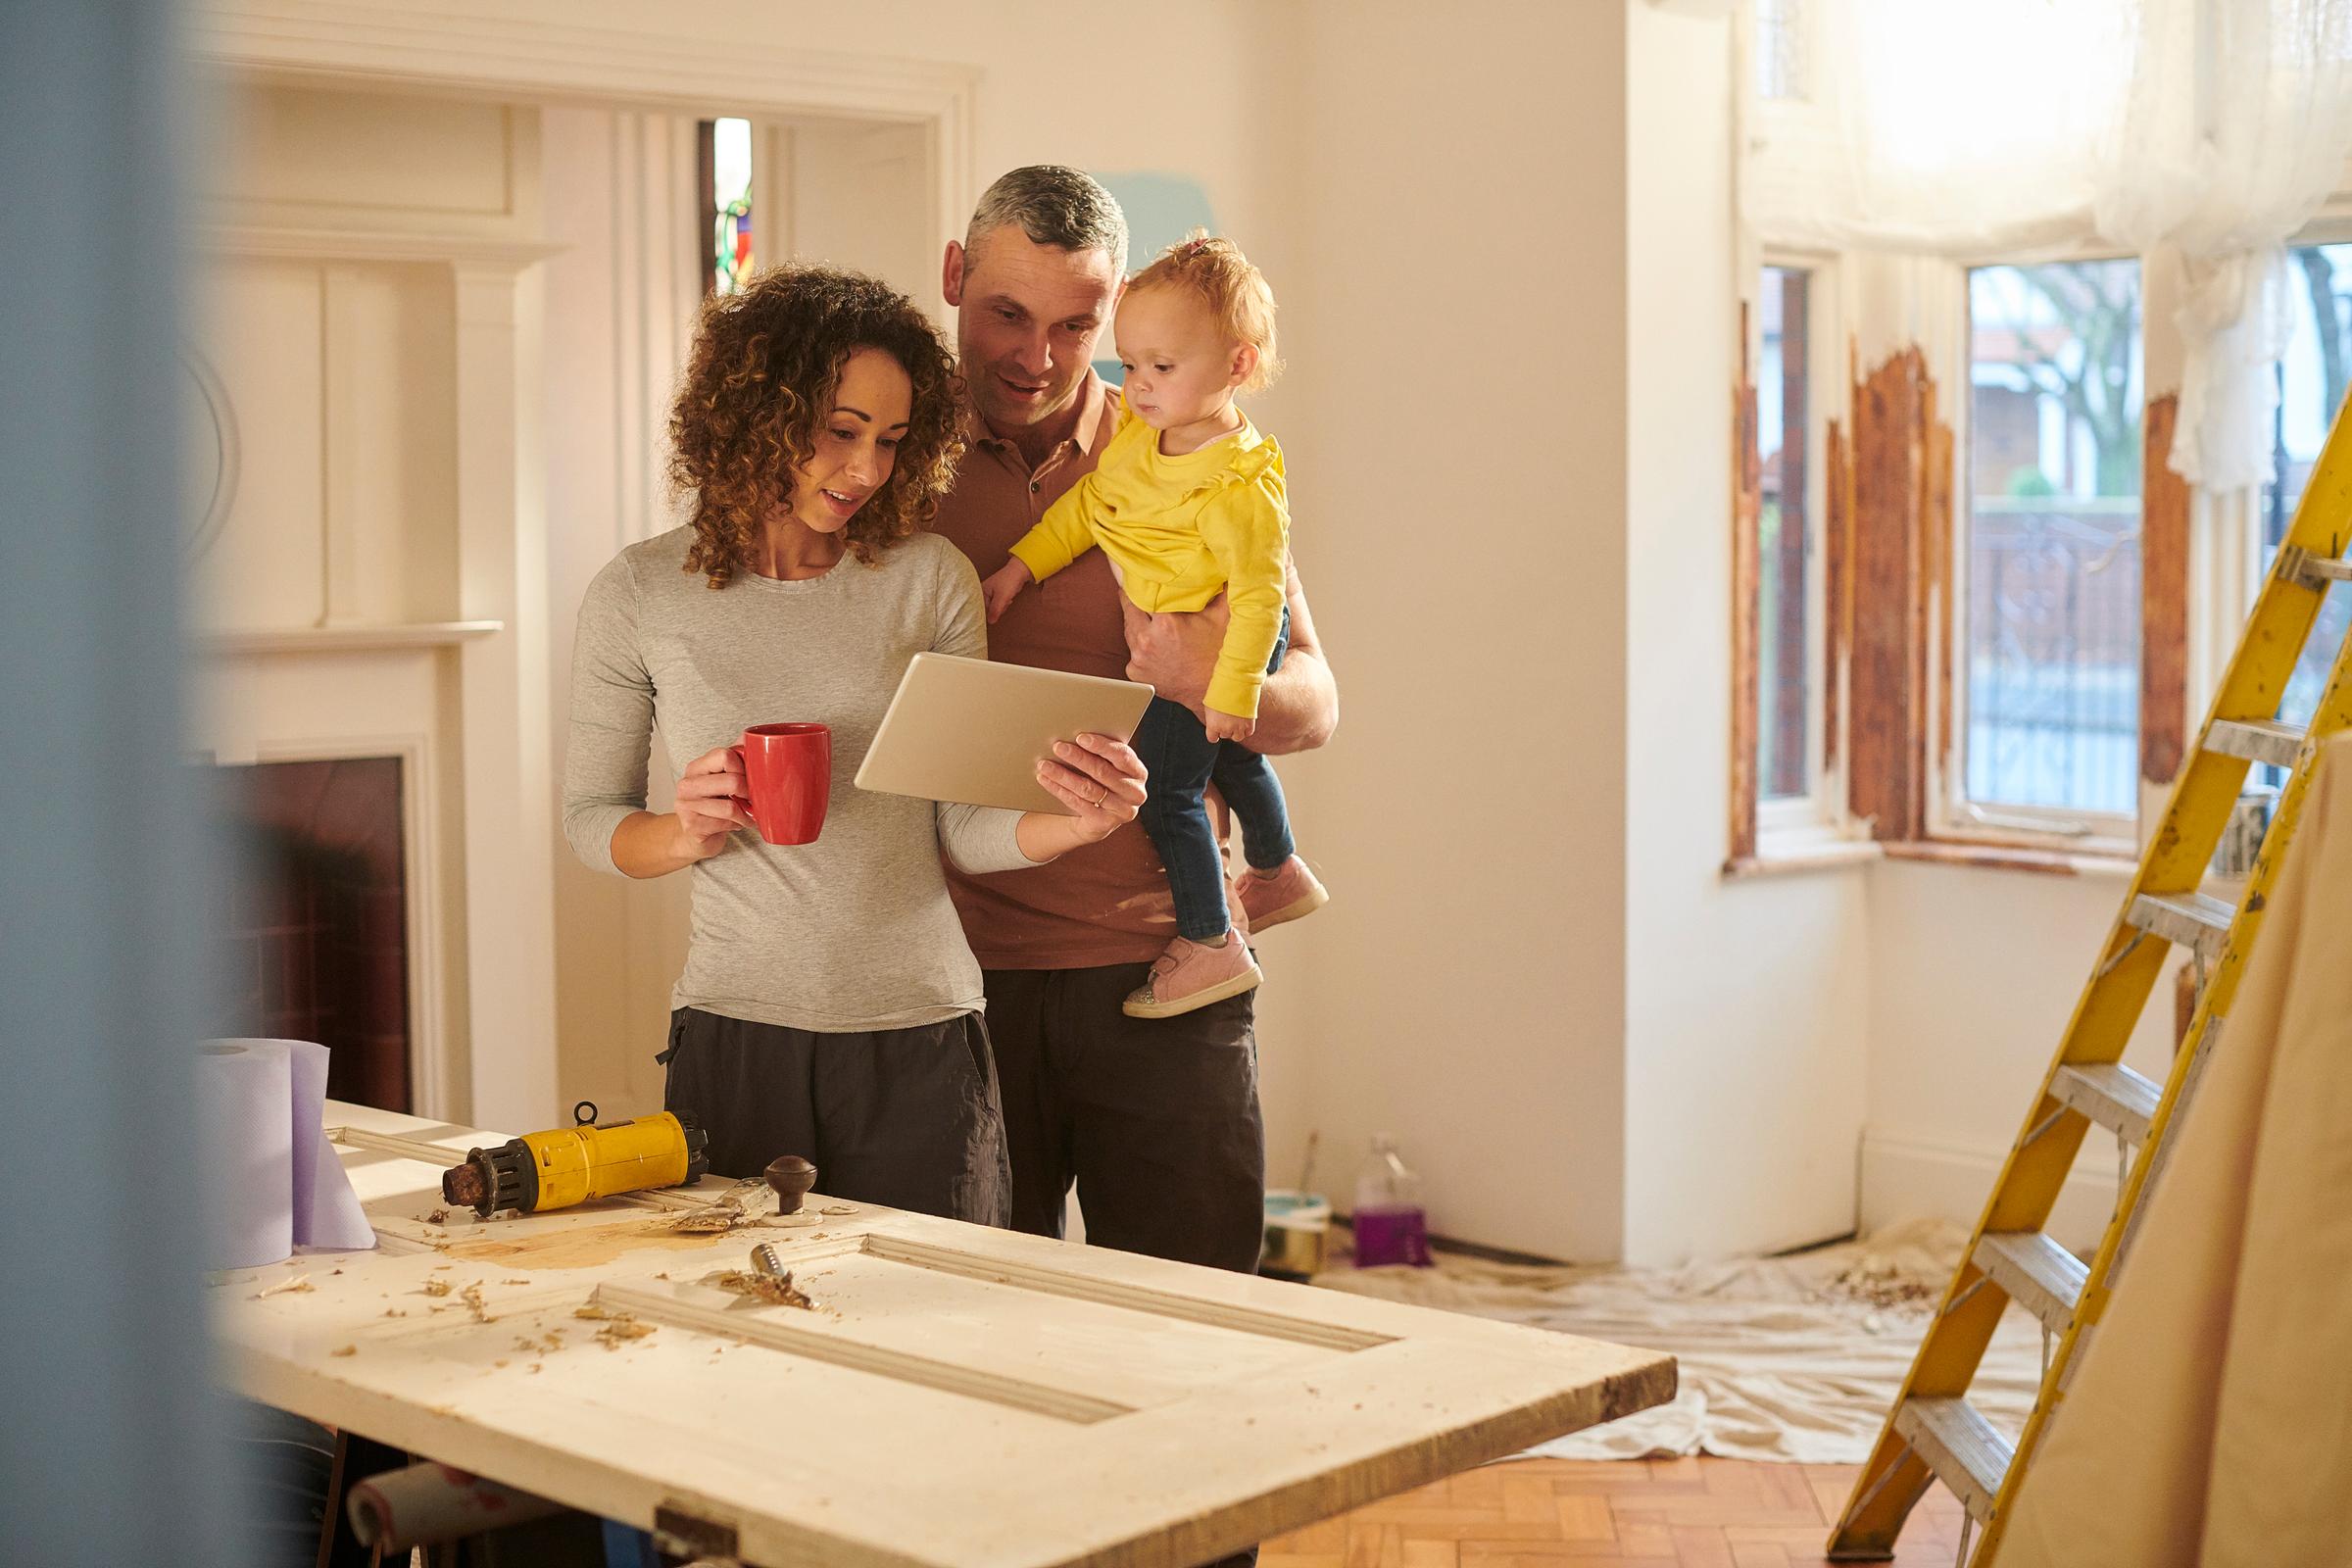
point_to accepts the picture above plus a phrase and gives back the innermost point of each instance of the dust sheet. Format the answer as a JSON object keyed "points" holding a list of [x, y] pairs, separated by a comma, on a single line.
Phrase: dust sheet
{"points": [[1793, 1358]]}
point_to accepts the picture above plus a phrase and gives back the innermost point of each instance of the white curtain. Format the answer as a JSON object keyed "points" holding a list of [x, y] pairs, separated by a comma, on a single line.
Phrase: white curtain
{"points": [[1980, 127]]}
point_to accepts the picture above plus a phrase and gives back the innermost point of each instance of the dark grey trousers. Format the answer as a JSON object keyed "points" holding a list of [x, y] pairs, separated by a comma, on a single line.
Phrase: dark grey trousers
{"points": [[908, 1118], [1154, 1120]]}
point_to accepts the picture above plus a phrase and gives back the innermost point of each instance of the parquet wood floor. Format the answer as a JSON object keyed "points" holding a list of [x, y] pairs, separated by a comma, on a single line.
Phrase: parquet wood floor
{"points": [[1638, 1513]]}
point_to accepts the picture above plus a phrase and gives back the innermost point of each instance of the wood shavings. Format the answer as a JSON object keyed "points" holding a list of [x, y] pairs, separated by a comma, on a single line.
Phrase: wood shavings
{"points": [[591, 1310], [472, 1296], [394, 1311], [513, 1282], [299, 1283], [440, 1216], [774, 1288], [436, 1286], [1883, 1284], [348, 1349], [621, 1327]]}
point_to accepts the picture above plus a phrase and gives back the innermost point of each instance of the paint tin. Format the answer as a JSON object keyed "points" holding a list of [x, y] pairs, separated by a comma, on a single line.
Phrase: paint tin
{"points": [[1297, 1238]]}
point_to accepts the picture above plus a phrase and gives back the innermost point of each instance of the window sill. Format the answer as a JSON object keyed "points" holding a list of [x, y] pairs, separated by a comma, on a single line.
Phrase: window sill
{"points": [[2014, 857], [1811, 853]]}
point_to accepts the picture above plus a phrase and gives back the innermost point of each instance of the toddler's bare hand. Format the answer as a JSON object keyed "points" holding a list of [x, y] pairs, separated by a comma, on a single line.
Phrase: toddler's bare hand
{"points": [[1224, 726], [1004, 585]]}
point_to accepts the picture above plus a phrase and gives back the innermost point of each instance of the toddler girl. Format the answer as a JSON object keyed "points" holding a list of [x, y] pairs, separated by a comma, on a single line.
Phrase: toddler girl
{"points": [[1188, 503]]}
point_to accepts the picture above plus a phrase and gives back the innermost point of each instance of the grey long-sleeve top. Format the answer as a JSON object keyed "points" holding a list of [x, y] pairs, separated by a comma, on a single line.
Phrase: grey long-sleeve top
{"points": [[852, 932]]}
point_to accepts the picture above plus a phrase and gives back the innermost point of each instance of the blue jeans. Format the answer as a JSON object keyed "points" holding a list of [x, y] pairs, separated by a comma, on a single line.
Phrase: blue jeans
{"points": [[1183, 762]]}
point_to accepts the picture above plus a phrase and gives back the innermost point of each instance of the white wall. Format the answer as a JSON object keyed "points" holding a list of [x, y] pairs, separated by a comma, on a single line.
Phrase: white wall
{"points": [[1974, 973], [1457, 424], [1745, 1000]]}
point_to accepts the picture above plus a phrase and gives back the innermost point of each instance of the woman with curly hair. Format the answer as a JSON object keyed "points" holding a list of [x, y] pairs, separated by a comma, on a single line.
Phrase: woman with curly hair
{"points": [[829, 1004]]}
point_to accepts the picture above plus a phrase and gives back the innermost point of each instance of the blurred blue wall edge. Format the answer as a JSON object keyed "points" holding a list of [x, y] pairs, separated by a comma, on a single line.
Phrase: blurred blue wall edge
{"points": [[111, 1450]]}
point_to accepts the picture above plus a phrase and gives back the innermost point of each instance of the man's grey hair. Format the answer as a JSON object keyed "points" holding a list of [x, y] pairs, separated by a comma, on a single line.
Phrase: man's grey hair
{"points": [[1064, 208]]}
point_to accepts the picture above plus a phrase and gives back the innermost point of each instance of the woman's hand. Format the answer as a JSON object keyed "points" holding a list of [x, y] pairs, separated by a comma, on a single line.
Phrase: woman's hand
{"points": [[709, 802], [1099, 778], [1003, 586], [1224, 726]]}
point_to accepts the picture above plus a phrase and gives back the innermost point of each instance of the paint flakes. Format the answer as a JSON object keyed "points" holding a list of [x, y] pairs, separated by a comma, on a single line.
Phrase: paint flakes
{"points": [[348, 1349], [298, 1284], [437, 1287]]}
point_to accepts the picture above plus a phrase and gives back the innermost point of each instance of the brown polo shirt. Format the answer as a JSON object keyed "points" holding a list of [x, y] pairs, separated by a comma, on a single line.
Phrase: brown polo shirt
{"points": [[1107, 902]]}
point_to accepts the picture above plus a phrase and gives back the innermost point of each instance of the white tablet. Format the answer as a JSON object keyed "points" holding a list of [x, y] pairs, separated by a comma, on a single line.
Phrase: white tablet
{"points": [[971, 731]]}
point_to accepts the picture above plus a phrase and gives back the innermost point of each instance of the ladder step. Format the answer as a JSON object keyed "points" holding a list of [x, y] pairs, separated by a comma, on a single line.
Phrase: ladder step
{"points": [[2039, 1274], [2112, 1094], [2316, 570], [1960, 1447], [2257, 739], [2196, 920]]}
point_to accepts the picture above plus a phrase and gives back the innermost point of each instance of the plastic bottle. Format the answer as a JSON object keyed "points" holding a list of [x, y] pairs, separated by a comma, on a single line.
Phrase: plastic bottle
{"points": [[1391, 1226]]}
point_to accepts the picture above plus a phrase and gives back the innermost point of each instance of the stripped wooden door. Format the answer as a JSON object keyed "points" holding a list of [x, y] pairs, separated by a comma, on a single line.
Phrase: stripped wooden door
{"points": [[951, 1395]]}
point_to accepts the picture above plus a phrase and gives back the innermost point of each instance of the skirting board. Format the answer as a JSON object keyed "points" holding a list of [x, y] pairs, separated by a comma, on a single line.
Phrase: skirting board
{"points": [[1907, 1177]]}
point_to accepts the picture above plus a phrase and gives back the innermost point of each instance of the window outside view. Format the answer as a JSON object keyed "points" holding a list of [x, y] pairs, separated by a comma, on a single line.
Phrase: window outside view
{"points": [[2052, 588]]}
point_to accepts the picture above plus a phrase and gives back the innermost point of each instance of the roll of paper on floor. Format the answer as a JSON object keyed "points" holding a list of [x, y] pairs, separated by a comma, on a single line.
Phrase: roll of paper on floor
{"points": [[432, 1504]]}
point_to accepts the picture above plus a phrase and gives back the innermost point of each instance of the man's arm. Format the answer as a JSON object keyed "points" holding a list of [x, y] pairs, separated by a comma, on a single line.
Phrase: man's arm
{"points": [[1298, 707]]}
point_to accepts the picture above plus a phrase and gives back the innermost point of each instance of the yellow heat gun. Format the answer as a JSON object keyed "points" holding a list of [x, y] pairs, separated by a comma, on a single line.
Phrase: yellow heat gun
{"points": [[568, 1165]]}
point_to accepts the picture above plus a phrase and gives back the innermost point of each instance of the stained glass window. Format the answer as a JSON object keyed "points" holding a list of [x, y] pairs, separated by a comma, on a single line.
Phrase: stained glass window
{"points": [[726, 168]]}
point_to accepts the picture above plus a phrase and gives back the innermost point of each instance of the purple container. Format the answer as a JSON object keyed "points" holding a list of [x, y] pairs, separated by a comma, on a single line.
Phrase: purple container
{"points": [[1385, 1235]]}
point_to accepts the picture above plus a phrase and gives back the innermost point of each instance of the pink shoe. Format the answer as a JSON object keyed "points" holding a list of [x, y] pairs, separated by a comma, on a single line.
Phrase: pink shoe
{"points": [[1194, 974], [1291, 893]]}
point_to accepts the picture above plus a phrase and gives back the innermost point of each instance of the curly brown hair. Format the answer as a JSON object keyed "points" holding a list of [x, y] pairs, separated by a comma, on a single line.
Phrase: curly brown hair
{"points": [[762, 376]]}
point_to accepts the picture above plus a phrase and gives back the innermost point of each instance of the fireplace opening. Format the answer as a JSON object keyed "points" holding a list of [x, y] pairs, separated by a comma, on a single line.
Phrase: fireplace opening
{"points": [[313, 942]]}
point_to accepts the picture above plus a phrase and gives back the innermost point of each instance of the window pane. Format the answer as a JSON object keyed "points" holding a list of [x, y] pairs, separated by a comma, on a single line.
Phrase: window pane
{"points": [[1781, 49], [2312, 377], [2053, 549], [1784, 539]]}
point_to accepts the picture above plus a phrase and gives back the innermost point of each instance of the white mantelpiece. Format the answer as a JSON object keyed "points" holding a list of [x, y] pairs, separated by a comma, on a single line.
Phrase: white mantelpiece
{"points": [[372, 579]]}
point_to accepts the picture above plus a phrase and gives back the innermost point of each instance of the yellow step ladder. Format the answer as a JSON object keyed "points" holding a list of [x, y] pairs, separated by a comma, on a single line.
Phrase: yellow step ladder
{"points": [[1933, 1433]]}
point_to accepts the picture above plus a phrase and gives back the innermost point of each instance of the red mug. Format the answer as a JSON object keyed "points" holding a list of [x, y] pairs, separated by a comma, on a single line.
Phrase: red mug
{"points": [[788, 775]]}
